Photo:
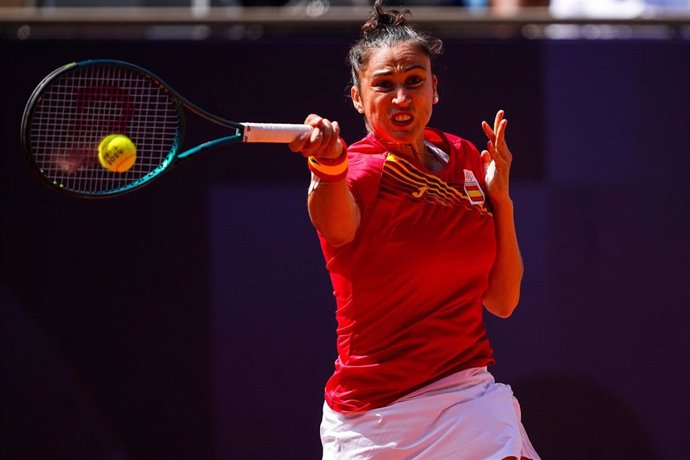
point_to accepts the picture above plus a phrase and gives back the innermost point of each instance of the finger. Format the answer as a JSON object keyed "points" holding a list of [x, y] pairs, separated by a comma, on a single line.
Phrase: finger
{"points": [[488, 166], [313, 120], [497, 120], [487, 130], [316, 133], [302, 143], [501, 132], [326, 136], [298, 144], [501, 145], [500, 157], [324, 139], [491, 148], [327, 130], [331, 147], [320, 136], [485, 156], [497, 125]]}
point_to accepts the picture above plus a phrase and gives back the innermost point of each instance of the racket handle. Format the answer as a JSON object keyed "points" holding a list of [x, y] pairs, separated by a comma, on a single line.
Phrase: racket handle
{"points": [[273, 132]]}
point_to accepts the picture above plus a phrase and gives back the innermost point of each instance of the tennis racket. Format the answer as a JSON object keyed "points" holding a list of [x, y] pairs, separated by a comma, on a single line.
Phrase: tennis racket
{"points": [[76, 106]]}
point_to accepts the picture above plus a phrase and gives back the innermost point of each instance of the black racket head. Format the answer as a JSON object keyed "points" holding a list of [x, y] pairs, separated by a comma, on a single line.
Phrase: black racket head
{"points": [[76, 106]]}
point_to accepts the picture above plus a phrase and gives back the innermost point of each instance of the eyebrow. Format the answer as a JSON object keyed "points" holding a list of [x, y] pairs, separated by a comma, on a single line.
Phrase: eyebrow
{"points": [[406, 69]]}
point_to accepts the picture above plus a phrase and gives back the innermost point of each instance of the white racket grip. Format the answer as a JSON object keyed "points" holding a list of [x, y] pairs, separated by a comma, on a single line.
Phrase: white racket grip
{"points": [[273, 132]]}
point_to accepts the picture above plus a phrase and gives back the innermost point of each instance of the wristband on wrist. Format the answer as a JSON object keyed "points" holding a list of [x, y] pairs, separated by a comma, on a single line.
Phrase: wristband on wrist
{"points": [[329, 170]]}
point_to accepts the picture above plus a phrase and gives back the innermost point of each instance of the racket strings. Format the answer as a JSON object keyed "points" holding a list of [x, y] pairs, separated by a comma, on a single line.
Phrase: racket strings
{"points": [[81, 107]]}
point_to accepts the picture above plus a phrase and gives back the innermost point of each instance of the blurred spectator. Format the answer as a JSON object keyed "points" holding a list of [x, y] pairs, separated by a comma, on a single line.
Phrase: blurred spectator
{"points": [[512, 6], [470, 3], [614, 8]]}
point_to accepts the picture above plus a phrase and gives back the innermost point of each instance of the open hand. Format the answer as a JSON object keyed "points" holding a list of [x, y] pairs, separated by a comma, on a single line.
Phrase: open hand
{"points": [[496, 160]]}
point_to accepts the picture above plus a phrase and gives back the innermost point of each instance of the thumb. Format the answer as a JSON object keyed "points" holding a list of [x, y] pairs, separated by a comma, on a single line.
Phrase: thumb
{"points": [[489, 167], [485, 156]]}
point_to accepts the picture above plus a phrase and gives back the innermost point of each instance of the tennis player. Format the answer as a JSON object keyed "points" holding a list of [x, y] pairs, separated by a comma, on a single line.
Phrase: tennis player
{"points": [[417, 230]]}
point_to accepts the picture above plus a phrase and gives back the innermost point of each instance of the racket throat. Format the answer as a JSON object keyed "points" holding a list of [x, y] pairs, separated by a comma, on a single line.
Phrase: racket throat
{"points": [[209, 145]]}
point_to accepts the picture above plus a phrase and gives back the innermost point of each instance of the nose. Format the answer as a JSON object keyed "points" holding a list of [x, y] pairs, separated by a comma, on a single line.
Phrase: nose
{"points": [[401, 97]]}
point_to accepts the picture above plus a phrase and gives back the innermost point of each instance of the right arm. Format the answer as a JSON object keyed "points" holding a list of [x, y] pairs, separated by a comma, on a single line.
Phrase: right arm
{"points": [[332, 207]]}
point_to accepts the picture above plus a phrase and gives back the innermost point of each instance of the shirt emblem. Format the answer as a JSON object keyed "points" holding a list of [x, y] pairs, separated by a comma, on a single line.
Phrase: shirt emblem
{"points": [[472, 189], [401, 176], [420, 191]]}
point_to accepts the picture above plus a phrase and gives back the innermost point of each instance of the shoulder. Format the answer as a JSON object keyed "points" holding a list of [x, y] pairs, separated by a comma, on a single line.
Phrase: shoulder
{"points": [[366, 157], [367, 148]]}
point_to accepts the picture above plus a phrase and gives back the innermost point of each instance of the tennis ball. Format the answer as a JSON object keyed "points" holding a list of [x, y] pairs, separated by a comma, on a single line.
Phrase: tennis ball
{"points": [[117, 153]]}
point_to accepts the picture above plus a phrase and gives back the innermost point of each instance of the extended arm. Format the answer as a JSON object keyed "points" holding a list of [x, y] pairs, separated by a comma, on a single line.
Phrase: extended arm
{"points": [[332, 208]]}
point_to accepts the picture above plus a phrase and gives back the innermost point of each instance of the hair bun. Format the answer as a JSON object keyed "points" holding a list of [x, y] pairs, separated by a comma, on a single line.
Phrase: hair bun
{"points": [[381, 19], [388, 29]]}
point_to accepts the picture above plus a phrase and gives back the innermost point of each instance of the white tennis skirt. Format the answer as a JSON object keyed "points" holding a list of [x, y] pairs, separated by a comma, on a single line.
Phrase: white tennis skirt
{"points": [[465, 416]]}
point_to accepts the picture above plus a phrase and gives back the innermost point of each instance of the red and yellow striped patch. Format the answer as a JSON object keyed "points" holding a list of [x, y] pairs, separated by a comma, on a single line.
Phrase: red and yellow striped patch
{"points": [[401, 175]]}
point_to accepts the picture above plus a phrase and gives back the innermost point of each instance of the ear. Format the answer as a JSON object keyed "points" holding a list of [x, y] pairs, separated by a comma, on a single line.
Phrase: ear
{"points": [[356, 99], [434, 82]]}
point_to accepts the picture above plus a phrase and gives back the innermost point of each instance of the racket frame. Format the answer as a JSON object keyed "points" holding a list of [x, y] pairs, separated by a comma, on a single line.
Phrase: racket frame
{"points": [[172, 158]]}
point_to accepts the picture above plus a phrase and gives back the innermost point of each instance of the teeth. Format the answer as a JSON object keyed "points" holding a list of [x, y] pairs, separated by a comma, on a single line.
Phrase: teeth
{"points": [[402, 117]]}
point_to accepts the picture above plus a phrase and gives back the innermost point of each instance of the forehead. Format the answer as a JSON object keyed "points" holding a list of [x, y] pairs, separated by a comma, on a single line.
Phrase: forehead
{"points": [[397, 58]]}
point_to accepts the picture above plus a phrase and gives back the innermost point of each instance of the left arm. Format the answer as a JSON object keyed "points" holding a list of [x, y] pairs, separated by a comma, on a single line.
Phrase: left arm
{"points": [[503, 292]]}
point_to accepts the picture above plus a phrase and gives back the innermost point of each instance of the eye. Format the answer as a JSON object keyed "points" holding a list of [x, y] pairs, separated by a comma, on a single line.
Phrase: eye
{"points": [[383, 84], [414, 80]]}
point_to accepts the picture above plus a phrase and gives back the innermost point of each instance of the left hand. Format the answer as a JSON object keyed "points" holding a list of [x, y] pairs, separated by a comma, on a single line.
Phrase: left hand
{"points": [[496, 160]]}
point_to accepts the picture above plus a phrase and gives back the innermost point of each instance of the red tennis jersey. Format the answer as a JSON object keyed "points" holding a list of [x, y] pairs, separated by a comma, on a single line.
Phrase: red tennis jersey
{"points": [[409, 287]]}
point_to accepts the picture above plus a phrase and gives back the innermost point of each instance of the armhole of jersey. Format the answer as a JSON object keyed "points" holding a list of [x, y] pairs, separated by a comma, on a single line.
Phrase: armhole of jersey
{"points": [[365, 198]]}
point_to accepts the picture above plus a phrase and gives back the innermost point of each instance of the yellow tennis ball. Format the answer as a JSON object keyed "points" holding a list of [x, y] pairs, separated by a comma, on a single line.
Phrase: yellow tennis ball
{"points": [[117, 153]]}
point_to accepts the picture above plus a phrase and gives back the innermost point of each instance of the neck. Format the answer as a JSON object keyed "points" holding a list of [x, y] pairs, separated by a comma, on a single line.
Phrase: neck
{"points": [[415, 151], [432, 159]]}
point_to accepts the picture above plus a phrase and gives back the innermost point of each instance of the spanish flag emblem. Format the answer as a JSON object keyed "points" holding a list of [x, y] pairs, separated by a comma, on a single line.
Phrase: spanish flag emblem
{"points": [[472, 189]]}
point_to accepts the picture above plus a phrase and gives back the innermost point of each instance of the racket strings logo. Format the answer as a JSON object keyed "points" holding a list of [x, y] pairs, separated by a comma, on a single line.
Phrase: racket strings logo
{"points": [[106, 106], [399, 175]]}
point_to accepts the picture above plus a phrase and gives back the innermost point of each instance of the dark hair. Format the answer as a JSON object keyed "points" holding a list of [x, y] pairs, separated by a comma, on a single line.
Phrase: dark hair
{"points": [[385, 29]]}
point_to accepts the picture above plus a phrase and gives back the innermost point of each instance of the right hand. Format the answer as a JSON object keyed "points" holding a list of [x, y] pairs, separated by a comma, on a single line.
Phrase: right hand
{"points": [[323, 142]]}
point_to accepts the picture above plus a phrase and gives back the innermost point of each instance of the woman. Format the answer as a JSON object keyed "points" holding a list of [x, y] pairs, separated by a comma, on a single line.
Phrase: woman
{"points": [[417, 230]]}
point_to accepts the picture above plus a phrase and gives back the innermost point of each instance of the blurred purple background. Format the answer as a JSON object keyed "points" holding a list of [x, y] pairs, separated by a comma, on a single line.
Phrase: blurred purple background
{"points": [[204, 328]]}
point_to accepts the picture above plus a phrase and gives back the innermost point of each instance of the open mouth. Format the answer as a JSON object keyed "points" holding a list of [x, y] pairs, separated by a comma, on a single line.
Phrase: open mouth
{"points": [[402, 119]]}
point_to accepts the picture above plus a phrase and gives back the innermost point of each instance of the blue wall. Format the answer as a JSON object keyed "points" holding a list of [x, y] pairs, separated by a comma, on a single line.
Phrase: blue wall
{"points": [[205, 328]]}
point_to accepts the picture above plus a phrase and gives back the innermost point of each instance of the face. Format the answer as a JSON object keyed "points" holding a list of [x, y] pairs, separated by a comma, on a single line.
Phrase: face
{"points": [[396, 94]]}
